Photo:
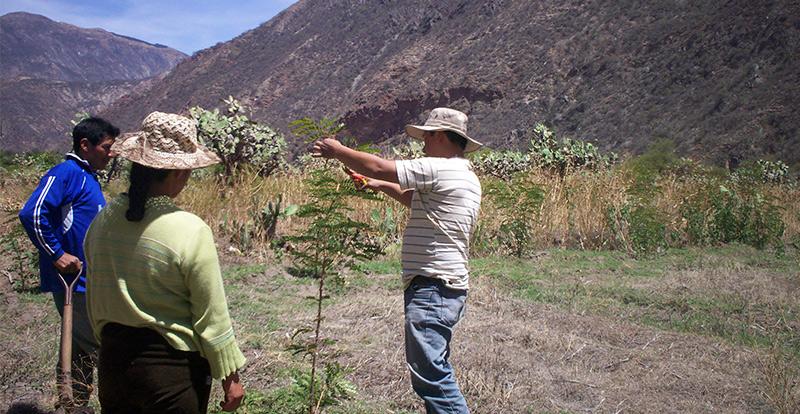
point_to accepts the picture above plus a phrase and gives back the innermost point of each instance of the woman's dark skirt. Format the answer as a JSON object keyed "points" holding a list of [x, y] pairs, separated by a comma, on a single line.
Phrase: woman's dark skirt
{"points": [[139, 372]]}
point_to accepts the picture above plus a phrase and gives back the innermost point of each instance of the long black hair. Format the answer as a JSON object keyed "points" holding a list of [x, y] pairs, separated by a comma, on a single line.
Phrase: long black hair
{"points": [[141, 179]]}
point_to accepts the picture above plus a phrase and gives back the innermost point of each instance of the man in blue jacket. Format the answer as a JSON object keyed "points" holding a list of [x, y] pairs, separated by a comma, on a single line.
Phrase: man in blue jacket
{"points": [[56, 217]]}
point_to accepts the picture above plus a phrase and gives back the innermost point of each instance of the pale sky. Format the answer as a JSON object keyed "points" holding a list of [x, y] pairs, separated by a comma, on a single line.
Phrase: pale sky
{"points": [[186, 25]]}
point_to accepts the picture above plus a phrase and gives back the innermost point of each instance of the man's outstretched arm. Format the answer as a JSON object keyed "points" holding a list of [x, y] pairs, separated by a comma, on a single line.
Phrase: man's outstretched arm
{"points": [[392, 190], [360, 162]]}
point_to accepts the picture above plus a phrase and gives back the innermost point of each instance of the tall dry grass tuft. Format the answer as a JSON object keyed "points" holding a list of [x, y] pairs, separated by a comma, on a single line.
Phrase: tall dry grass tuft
{"points": [[583, 210], [229, 209], [789, 198], [780, 384], [579, 206], [597, 209], [573, 211]]}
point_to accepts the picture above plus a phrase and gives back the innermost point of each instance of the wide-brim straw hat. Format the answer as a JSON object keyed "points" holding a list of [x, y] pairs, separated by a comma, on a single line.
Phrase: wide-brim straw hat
{"points": [[444, 119], [166, 141]]}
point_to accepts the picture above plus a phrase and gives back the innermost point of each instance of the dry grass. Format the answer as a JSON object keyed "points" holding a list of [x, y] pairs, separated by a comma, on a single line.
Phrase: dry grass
{"points": [[781, 384], [28, 348], [249, 194], [511, 355], [574, 212]]}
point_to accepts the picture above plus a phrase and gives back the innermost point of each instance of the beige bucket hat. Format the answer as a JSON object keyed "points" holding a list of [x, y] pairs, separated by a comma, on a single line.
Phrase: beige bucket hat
{"points": [[166, 141], [444, 119]]}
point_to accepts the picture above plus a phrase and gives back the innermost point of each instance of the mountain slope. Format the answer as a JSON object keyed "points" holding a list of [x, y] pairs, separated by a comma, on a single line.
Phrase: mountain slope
{"points": [[49, 71], [34, 46], [719, 79]]}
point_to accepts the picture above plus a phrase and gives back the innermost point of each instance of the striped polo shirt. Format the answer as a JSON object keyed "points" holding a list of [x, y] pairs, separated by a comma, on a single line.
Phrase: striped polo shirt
{"points": [[444, 212]]}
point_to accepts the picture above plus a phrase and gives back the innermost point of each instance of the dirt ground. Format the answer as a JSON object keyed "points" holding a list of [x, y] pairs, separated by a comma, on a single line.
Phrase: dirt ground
{"points": [[511, 356], [517, 357]]}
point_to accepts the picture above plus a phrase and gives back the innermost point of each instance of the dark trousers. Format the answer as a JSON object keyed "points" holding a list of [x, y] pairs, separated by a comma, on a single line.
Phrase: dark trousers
{"points": [[139, 372]]}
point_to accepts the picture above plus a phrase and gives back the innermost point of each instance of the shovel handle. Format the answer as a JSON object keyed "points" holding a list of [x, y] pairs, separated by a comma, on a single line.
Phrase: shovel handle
{"points": [[65, 382]]}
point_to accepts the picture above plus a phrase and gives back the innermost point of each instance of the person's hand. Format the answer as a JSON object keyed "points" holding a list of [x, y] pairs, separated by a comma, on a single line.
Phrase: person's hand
{"points": [[326, 148], [234, 393], [68, 264], [359, 181]]}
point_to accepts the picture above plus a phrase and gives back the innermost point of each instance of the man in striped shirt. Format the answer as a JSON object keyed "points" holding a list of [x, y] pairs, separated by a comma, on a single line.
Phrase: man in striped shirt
{"points": [[56, 217], [444, 196]]}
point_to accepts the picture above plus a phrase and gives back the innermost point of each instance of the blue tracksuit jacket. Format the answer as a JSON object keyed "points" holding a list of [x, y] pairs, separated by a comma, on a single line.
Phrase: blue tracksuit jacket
{"points": [[57, 215]]}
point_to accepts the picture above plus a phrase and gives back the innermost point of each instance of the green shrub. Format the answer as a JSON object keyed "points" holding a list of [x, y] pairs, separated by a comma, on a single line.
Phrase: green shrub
{"points": [[762, 171], [638, 228], [238, 140], [734, 213], [518, 203], [501, 164], [648, 231], [29, 163], [293, 398], [565, 156], [773, 171], [409, 150], [645, 170], [23, 257]]}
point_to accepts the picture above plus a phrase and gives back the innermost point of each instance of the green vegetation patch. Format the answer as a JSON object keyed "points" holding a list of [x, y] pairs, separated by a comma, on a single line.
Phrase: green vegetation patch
{"points": [[606, 283]]}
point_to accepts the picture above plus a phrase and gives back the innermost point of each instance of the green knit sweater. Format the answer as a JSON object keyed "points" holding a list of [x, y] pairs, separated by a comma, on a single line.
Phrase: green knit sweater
{"points": [[160, 273]]}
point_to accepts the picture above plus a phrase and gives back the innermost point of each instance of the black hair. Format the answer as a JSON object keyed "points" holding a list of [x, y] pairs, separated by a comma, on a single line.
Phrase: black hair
{"points": [[94, 129], [141, 178], [457, 139]]}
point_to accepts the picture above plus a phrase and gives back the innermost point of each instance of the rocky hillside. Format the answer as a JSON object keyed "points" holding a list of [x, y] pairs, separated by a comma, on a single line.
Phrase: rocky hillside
{"points": [[50, 70], [719, 78]]}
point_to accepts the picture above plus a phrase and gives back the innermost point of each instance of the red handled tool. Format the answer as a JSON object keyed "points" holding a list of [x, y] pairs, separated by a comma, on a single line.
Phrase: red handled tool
{"points": [[359, 180]]}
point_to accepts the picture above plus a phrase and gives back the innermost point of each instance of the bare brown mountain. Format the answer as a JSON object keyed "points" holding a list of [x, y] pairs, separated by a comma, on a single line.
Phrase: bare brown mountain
{"points": [[720, 78], [49, 71]]}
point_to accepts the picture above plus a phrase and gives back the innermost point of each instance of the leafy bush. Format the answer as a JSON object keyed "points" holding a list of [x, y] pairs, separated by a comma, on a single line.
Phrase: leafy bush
{"points": [[312, 130], [411, 149], [29, 163], [24, 260], [501, 164], [645, 170], [736, 214], [565, 156], [293, 398], [238, 140], [518, 203], [762, 171], [331, 242], [639, 228], [773, 171], [647, 230], [545, 152]]}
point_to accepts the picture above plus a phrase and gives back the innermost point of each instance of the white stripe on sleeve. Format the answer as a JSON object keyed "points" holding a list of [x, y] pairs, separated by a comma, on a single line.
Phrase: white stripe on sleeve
{"points": [[37, 212]]}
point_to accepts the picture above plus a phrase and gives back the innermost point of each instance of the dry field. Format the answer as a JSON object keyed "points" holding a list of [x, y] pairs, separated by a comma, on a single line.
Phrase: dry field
{"points": [[562, 332]]}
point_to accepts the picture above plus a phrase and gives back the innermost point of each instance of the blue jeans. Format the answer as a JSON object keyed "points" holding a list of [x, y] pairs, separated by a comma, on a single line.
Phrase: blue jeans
{"points": [[432, 311]]}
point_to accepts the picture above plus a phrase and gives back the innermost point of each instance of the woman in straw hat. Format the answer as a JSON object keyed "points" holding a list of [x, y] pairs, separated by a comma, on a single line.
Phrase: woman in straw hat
{"points": [[155, 295]]}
